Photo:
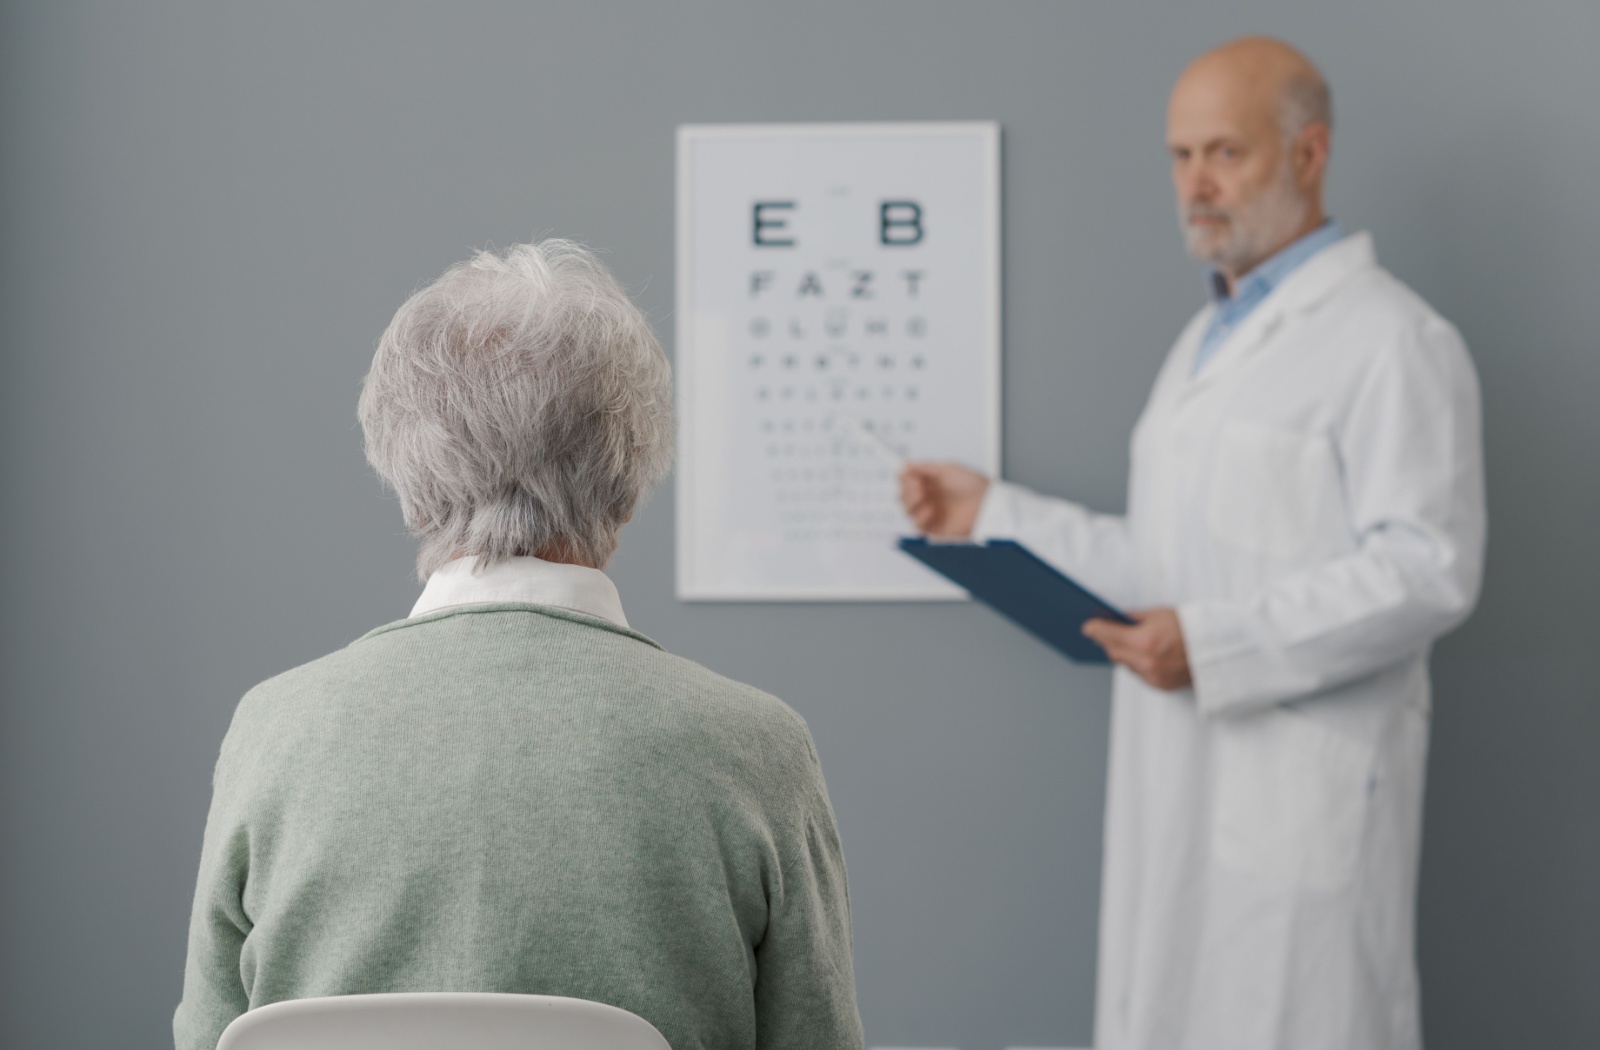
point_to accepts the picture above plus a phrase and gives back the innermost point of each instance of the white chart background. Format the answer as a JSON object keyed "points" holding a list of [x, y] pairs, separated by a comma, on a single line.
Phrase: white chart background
{"points": [[776, 343]]}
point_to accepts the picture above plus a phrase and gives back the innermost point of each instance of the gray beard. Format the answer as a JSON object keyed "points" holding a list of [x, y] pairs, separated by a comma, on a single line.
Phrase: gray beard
{"points": [[1254, 228]]}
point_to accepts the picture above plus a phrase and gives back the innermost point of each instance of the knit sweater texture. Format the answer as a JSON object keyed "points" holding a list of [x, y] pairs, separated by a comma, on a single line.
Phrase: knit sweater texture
{"points": [[518, 798]]}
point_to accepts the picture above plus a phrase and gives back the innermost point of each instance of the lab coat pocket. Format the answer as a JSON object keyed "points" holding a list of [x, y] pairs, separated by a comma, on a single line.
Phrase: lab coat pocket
{"points": [[1291, 800], [1272, 489]]}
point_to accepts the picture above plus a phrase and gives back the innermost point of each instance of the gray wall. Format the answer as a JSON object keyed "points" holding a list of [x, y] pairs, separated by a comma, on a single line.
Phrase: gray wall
{"points": [[209, 215]]}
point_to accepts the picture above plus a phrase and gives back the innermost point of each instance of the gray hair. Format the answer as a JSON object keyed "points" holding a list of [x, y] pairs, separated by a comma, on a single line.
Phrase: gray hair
{"points": [[1306, 100], [519, 404]]}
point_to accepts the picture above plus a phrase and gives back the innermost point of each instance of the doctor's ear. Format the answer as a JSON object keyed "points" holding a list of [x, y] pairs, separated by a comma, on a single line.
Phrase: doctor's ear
{"points": [[1309, 154]]}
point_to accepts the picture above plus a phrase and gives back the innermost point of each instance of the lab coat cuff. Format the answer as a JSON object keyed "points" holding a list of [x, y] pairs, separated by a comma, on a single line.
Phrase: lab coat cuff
{"points": [[1215, 642], [997, 516]]}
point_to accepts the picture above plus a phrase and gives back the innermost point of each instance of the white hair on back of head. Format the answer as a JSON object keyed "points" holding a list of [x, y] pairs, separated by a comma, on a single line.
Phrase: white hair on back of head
{"points": [[1306, 100], [519, 404]]}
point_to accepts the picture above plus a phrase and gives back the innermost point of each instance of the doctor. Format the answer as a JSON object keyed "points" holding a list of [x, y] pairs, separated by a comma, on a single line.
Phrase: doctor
{"points": [[1305, 517]]}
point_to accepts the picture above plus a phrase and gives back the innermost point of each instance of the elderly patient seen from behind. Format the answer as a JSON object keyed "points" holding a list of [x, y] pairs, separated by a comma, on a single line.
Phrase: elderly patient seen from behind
{"points": [[511, 790]]}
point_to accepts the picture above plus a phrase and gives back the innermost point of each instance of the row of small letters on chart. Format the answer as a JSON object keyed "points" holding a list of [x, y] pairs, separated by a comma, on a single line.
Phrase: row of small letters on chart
{"points": [[836, 358], [836, 324], [828, 438]]}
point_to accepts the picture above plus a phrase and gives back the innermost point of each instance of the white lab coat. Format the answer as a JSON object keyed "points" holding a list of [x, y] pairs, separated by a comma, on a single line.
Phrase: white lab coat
{"points": [[1312, 503]]}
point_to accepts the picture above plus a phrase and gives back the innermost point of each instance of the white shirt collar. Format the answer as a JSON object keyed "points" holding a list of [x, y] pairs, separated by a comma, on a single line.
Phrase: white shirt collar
{"points": [[532, 580]]}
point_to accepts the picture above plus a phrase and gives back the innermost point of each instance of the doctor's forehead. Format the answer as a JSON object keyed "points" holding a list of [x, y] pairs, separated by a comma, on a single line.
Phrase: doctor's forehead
{"points": [[1238, 89]]}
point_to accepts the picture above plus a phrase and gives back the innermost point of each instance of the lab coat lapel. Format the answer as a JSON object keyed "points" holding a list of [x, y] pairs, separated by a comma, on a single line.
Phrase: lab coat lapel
{"points": [[1300, 291]]}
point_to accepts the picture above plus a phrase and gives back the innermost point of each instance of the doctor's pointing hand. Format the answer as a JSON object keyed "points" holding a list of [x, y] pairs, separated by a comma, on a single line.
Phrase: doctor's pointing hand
{"points": [[1305, 517]]}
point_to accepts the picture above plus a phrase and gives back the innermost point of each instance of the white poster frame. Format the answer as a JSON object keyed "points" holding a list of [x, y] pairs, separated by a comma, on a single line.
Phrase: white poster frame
{"points": [[690, 586]]}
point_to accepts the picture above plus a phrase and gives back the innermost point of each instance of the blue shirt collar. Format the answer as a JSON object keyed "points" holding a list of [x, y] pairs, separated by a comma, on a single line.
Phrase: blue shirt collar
{"points": [[1254, 286]]}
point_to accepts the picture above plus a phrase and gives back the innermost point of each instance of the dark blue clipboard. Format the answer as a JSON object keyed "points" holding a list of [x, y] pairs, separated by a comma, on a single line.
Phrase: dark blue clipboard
{"points": [[1017, 584]]}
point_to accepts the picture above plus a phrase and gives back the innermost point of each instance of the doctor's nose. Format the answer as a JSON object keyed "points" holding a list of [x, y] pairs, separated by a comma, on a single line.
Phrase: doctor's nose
{"points": [[1195, 186]]}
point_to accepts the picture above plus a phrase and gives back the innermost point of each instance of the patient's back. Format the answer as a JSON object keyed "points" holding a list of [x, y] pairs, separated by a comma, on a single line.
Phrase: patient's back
{"points": [[519, 799]]}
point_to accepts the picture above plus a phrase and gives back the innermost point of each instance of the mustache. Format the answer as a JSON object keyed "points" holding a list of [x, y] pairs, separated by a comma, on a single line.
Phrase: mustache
{"points": [[1207, 211]]}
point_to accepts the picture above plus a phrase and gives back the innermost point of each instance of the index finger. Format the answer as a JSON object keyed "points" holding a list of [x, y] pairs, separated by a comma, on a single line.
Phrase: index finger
{"points": [[1110, 636], [1101, 630], [913, 485]]}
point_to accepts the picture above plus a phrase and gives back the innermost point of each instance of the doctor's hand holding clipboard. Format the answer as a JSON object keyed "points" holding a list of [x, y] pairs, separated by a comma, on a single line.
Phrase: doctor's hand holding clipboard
{"points": [[944, 500]]}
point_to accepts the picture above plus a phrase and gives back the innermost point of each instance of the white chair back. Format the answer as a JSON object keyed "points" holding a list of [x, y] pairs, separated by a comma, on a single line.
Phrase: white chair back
{"points": [[440, 1021]]}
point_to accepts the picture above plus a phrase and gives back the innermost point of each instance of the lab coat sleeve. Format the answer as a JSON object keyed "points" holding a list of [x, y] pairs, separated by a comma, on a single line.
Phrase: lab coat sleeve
{"points": [[1094, 549], [1411, 453]]}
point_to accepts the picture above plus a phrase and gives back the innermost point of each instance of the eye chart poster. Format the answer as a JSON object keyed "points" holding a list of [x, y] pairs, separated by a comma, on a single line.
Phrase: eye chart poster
{"points": [[838, 292]]}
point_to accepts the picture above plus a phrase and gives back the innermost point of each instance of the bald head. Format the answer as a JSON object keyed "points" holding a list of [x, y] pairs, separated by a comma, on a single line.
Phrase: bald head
{"points": [[1249, 128], [1267, 74]]}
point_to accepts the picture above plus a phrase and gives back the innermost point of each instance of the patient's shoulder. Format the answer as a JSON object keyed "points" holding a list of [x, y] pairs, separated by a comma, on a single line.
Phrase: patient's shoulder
{"points": [[738, 714]]}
